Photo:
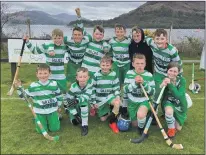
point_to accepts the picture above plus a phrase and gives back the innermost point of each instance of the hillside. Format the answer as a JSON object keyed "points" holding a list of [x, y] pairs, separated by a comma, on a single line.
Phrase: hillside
{"points": [[40, 17], [183, 14]]}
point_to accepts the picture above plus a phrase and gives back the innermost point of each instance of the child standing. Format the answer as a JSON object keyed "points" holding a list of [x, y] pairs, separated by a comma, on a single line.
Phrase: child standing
{"points": [[163, 54], [120, 51], [46, 97], [95, 51], [82, 91], [174, 103], [138, 105], [107, 92], [54, 52], [76, 48]]}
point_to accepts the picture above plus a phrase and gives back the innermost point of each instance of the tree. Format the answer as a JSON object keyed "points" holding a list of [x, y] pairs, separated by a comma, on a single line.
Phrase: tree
{"points": [[6, 15]]}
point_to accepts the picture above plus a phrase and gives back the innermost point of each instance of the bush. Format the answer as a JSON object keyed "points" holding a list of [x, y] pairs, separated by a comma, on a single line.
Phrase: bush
{"points": [[190, 47]]}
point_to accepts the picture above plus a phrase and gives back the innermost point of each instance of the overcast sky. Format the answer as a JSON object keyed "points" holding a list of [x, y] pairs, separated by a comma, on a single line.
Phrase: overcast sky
{"points": [[89, 10]]}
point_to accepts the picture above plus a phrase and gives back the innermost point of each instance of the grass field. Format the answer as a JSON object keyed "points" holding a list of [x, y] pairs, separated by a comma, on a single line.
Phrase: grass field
{"points": [[19, 137]]}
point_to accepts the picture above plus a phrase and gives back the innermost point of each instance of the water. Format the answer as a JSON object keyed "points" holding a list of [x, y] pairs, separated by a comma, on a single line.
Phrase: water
{"points": [[41, 30]]}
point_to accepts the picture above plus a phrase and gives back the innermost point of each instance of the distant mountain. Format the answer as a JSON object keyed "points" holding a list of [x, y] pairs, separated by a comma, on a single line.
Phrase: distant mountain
{"points": [[42, 18], [183, 14]]}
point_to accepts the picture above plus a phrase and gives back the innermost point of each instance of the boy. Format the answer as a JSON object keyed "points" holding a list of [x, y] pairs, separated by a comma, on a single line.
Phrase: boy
{"points": [[120, 51], [77, 47], [106, 85], [95, 51], [138, 105], [54, 52], [81, 91], [163, 54], [46, 97]]}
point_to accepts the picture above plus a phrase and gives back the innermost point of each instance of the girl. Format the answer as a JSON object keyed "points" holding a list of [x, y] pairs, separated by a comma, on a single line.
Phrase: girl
{"points": [[174, 103]]}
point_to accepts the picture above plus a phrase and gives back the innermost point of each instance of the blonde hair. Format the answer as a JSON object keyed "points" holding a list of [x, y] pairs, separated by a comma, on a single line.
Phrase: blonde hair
{"points": [[57, 32], [43, 67], [138, 56], [82, 69], [106, 58]]}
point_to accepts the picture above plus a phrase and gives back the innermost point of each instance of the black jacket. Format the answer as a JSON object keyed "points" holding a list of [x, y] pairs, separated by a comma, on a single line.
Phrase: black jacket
{"points": [[142, 48]]}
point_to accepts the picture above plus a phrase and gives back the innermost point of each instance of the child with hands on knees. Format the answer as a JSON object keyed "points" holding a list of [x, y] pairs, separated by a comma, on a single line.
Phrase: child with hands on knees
{"points": [[107, 90]]}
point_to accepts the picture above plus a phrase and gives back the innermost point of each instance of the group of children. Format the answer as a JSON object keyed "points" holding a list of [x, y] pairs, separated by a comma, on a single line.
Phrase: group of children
{"points": [[100, 79]]}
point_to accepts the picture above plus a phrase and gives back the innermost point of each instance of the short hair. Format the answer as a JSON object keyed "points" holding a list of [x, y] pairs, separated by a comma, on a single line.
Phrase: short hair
{"points": [[43, 67], [106, 58], [158, 32], [98, 27], [135, 28], [173, 64], [76, 28], [117, 25], [82, 69], [57, 32], [138, 56]]}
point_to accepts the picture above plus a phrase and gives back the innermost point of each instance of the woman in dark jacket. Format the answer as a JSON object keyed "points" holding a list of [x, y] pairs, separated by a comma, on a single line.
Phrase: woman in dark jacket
{"points": [[139, 46]]}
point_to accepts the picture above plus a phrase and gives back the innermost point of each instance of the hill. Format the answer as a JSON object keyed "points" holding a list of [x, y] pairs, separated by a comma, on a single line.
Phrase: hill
{"points": [[42, 18], [160, 15]]}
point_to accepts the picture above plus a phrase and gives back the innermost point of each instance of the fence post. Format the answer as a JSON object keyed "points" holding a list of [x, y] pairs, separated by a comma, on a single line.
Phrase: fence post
{"points": [[13, 70]]}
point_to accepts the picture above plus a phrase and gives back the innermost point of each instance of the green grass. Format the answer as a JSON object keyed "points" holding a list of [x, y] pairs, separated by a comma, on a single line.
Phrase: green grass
{"points": [[18, 135]]}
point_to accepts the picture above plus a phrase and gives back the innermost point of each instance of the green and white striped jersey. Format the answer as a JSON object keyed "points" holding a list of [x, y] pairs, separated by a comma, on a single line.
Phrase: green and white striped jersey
{"points": [[106, 86], [133, 91], [93, 55], [56, 62], [46, 97], [162, 57], [120, 51], [82, 95], [76, 50]]}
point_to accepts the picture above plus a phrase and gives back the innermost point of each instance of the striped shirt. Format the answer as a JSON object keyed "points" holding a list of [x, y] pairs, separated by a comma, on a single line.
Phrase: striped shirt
{"points": [[133, 91], [120, 51], [93, 55], [82, 95], [76, 50], [162, 57], [56, 62], [46, 97], [106, 86]]}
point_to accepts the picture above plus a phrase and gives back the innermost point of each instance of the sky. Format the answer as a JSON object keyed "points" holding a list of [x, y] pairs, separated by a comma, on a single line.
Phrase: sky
{"points": [[90, 10]]}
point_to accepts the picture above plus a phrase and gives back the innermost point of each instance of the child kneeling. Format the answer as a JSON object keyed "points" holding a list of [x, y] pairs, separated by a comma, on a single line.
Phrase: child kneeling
{"points": [[82, 92], [138, 105], [107, 90], [46, 97]]}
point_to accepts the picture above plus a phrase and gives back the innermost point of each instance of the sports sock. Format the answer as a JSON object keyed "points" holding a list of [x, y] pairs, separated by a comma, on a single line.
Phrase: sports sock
{"points": [[141, 122], [170, 121], [84, 115]]}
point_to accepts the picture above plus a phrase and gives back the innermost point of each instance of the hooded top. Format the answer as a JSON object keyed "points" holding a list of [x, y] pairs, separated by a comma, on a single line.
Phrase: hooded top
{"points": [[142, 48]]}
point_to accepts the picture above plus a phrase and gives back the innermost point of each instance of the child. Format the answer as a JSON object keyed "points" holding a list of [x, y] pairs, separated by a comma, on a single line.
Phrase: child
{"points": [[46, 97], [174, 103], [77, 47], [54, 52], [163, 54], [120, 51], [82, 92], [107, 91], [139, 46], [95, 51], [138, 105]]}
